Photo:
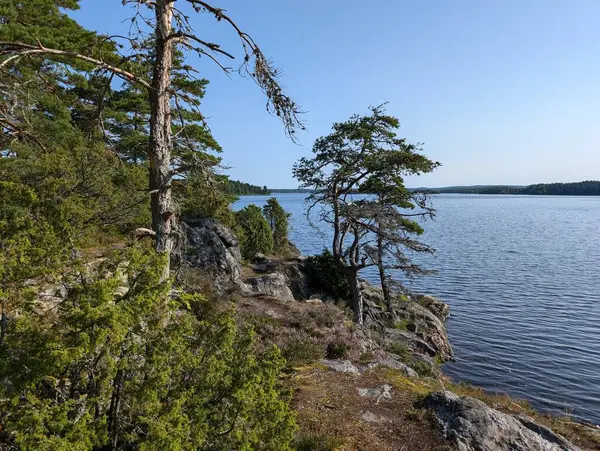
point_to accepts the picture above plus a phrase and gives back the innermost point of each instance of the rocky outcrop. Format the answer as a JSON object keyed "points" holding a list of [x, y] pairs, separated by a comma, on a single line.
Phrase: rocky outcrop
{"points": [[294, 272], [473, 426], [210, 246], [427, 327], [415, 323], [274, 284], [434, 305]]}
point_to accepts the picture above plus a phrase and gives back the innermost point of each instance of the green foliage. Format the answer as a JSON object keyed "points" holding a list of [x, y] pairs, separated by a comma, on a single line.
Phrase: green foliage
{"points": [[200, 197], [31, 246], [256, 236], [337, 350], [137, 369], [365, 155], [277, 218], [327, 276], [233, 187]]}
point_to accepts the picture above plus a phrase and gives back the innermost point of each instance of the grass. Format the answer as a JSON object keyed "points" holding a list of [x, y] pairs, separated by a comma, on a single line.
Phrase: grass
{"points": [[401, 350], [317, 443]]}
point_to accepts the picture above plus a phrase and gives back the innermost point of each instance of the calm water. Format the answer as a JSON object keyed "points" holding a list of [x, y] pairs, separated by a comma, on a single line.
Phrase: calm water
{"points": [[522, 277]]}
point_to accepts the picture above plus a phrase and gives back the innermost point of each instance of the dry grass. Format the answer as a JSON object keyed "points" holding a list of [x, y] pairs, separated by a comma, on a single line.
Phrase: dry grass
{"points": [[330, 410], [329, 405]]}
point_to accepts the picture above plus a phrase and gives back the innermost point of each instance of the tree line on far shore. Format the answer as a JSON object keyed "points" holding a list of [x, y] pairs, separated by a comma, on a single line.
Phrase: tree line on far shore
{"points": [[585, 188]]}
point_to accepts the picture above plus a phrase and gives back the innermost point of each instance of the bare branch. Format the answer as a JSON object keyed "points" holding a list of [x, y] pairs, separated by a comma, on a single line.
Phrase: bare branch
{"points": [[18, 49]]}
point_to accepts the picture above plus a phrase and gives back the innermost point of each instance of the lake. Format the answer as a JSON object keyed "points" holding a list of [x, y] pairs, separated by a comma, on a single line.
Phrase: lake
{"points": [[522, 277]]}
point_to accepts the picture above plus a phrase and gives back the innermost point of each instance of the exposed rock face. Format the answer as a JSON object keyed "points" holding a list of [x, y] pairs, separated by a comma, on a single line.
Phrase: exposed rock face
{"points": [[473, 426], [420, 321], [214, 248], [434, 305], [274, 284], [427, 327], [294, 274]]}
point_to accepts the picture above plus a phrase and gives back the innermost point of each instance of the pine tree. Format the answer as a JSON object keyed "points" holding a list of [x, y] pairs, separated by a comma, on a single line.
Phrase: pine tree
{"points": [[256, 236], [277, 218], [170, 31], [365, 155]]}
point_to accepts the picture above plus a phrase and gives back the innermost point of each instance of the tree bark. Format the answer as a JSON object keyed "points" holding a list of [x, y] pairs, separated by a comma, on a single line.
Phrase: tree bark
{"points": [[4, 322], [357, 299], [163, 214], [385, 287], [113, 413]]}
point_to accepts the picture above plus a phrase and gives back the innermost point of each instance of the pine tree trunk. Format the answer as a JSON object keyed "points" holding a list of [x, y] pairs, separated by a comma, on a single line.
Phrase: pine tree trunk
{"points": [[357, 299], [3, 322], [113, 413], [385, 288], [163, 214]]}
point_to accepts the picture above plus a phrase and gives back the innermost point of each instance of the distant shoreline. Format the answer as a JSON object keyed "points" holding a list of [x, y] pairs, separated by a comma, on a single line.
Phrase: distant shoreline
{"points": [[585, 188]]}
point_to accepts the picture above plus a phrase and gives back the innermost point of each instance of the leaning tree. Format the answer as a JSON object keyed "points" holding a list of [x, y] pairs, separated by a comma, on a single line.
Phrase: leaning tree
{"points": [[364, 155], [164, 26]]}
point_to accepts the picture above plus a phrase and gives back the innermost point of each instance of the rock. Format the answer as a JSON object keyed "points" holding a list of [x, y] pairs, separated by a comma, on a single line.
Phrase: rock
{"points": [[297, 279], [434, 305], [377, 393], [210, 246], [341, 366], [372, 295], [473, 426], [274, 284], [259, 258], [371, 417], [427, 327], [394, 365], [294, 273], [294, 251], [315, 301], [422, 321]]}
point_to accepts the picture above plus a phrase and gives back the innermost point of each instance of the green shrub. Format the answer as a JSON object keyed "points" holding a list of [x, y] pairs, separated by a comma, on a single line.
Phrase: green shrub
{"points": [[326, 276], [256, 236], [337, 350], [367, 357], [139, 370], [299, 348], [277, 218]]}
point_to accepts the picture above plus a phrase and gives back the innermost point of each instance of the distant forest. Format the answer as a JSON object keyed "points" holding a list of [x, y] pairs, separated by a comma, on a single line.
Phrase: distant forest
{"points": [[237, 188], [586, 188]]}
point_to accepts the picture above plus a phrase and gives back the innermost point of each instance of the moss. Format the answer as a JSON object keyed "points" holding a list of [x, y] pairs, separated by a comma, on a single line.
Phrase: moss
{"points": [[366, 357], [404, 324]]}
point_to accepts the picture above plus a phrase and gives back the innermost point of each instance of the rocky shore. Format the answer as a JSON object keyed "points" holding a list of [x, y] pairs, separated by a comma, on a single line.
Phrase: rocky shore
{"points": [[389, 367]]}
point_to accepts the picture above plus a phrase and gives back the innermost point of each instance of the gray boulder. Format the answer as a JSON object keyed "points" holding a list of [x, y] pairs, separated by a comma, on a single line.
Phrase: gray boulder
{"points": [[294, 272], [210, 246], [274, 284], [473, 426]]}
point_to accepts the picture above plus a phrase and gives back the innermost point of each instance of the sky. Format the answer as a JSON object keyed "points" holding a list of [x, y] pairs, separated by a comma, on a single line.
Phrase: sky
{"points": [[503, 92]]}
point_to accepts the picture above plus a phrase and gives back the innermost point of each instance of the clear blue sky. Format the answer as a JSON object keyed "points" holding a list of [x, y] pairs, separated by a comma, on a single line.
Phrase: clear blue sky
{"points": [[504, 92]]}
